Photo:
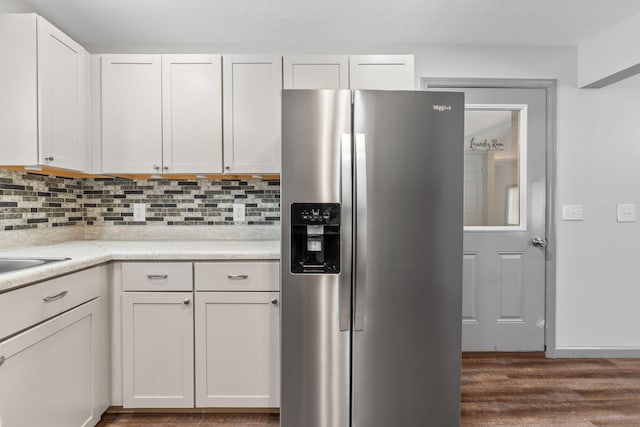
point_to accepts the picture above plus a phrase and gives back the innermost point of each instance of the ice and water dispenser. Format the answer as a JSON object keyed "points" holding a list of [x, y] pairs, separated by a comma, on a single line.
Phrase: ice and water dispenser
{"points": [[315, 238]]}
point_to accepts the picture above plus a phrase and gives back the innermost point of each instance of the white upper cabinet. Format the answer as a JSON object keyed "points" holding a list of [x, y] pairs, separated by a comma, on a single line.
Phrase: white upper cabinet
{"points": [[44, 104], [192, 113], [131, 114], [252, 100], [63, 92], [161, 114], [316, 72], [384, 72]]}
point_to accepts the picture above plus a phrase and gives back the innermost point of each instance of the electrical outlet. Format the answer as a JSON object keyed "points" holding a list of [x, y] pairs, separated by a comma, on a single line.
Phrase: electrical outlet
{"points": [[139, 212], [572, 212], [626, 212], [238, 212]]}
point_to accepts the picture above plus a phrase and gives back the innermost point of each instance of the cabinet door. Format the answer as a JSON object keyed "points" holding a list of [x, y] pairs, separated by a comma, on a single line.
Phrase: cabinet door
{"points": [[252, 102], [157, 349], [46, 377], [237, 349], [131, 114], [18, 90], [316, 72], [62, 89], [384, 72], [192, 113]]}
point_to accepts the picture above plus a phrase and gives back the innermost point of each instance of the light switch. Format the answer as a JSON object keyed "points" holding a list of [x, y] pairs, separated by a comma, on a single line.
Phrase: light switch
{"points": [[626, 212], [238, 212], [572, 212], [139, 212]]}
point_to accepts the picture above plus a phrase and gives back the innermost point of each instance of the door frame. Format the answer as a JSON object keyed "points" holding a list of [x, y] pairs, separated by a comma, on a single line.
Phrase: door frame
{"points": [[550, 86]]}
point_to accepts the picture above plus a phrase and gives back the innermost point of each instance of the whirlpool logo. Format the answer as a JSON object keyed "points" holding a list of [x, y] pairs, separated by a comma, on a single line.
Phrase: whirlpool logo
{"points": [[442, 108]]}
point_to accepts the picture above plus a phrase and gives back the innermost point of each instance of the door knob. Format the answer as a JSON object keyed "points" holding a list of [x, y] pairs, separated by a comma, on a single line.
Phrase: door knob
{"points": [[540, 242]]}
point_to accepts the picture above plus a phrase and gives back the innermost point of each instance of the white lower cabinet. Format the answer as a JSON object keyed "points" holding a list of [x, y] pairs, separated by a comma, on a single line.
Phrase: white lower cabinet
{"points": [[46, 374], [231, 329], [237, 349], [54, 363], [157, 360]]}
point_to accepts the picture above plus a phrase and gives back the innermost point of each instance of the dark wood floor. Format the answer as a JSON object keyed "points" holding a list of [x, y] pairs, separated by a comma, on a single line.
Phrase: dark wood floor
{"points": [[496, 391], [190, 420], [518, 391]]}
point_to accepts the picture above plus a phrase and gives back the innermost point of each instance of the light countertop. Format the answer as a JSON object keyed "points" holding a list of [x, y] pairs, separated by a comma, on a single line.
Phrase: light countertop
{"points": [[89, 253]]}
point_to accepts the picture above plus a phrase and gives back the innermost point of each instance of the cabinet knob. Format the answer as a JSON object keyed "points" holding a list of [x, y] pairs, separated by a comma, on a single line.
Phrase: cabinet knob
{"points": [[227, 167], [156, 167], [49, 159], [274, 301], [186, 301], [2, 359], [165, 167]]}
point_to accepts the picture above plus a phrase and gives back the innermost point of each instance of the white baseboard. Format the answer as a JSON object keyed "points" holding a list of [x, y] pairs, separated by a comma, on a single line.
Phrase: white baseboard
{"points": [[596, 352]]}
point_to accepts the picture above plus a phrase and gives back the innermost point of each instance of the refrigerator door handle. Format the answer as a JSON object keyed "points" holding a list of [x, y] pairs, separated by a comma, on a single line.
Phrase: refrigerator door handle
{"points": [[361, 231], [346, 202]]}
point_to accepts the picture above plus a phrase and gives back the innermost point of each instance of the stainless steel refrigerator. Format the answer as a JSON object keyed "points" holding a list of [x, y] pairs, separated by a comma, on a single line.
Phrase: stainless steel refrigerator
{"points": [[371, 261]]}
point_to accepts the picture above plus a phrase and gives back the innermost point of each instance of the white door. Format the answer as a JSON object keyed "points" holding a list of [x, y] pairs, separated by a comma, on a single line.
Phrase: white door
{"points": [[381, 72], [316, 72], [475, 170], [131, 114], [237, 349], [505, 208], [62, 87], [157, 349], [192, 113], [505, 217], [252, 87]]}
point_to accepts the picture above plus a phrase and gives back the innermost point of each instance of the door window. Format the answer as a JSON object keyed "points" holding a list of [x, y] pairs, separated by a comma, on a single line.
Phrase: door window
{"points": [[494, 167]]}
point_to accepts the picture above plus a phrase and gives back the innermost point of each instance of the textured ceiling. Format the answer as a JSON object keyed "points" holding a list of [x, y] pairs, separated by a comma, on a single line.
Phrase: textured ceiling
{"points": [[331, 22]]}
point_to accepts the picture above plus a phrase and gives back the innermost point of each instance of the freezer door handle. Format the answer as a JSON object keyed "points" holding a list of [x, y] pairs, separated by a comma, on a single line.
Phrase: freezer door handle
{"points": [[346, 202], [361, 231]]}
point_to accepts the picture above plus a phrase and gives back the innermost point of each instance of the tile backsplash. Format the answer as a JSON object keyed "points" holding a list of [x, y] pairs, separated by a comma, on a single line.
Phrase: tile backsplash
{"points": [[38, 201], [35, 201]]}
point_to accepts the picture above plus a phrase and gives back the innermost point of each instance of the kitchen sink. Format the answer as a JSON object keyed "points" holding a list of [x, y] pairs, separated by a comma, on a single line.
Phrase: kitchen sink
{"points": [[7, 265]]}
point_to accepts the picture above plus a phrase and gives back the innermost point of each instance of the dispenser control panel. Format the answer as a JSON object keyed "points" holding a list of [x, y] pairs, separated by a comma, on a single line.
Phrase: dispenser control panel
{"points": [[315, 238], [316, 215]]}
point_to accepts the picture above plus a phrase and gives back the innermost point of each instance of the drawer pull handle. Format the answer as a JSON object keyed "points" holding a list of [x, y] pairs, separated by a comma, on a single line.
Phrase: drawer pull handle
{"points": [[237, 276], [2, 359], [55, 297], [157, 276]]}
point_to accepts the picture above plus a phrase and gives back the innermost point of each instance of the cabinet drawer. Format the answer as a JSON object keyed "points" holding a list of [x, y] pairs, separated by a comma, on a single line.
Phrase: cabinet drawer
{"points": [[237, 276], [157, 276], [27, 306]]}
